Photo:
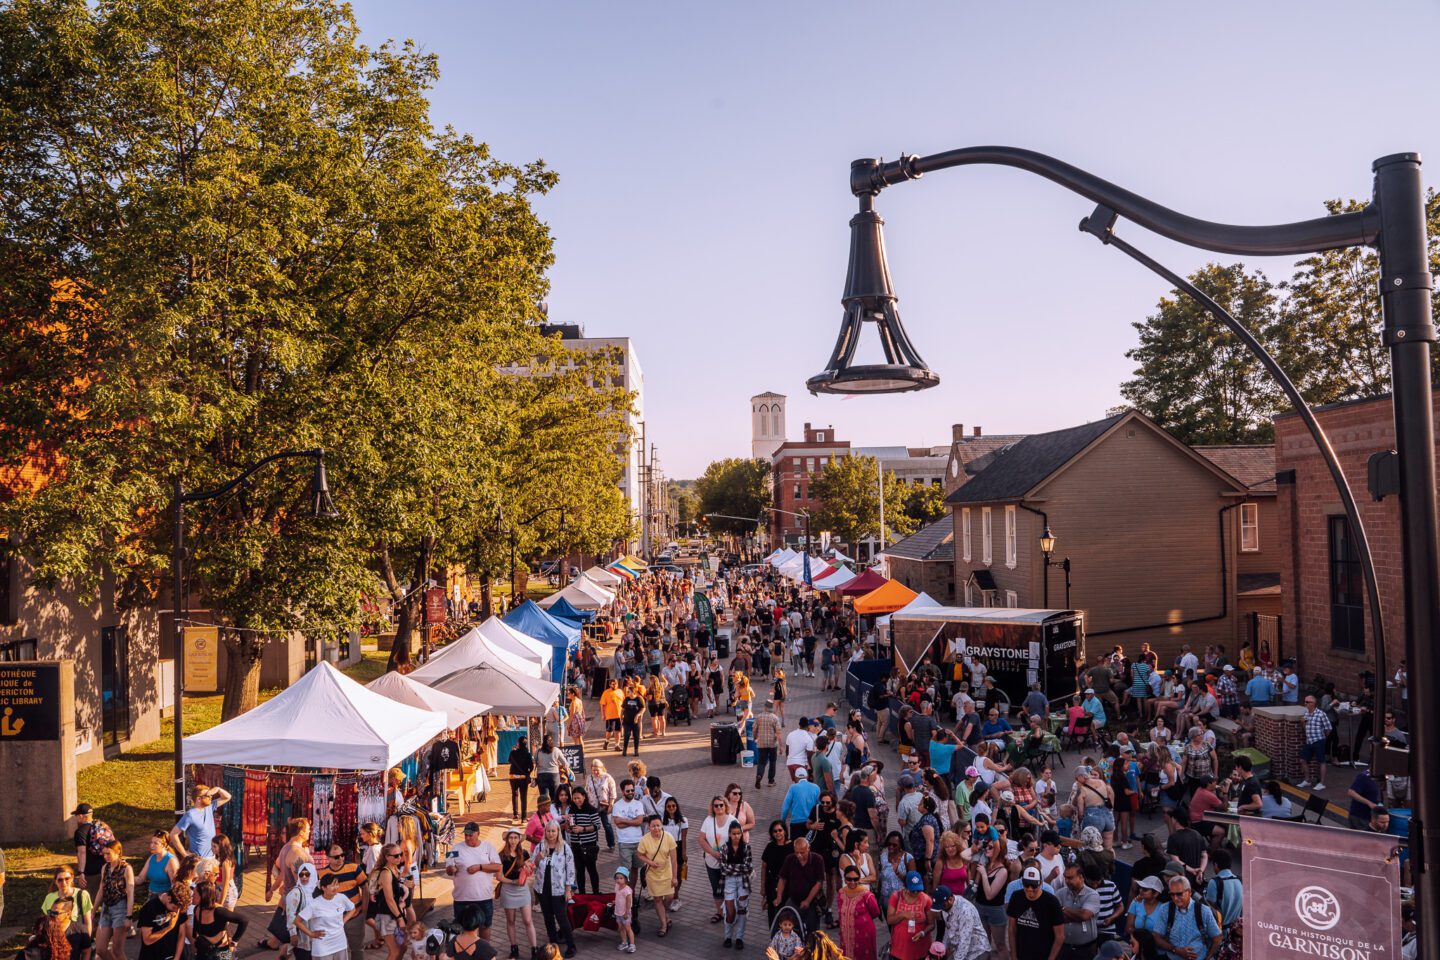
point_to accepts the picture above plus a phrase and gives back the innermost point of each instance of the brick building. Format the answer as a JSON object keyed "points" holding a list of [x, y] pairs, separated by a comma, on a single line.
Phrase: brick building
{"points": [[925, 560], [1326, 620], [794, 465]]}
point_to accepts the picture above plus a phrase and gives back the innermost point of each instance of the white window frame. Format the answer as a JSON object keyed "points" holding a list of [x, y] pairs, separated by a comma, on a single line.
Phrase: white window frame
{"points": [[987, 538], [1250, 527], [809, 464], [1010, 546], [965, 540], [969, 601], [1012, 599]]}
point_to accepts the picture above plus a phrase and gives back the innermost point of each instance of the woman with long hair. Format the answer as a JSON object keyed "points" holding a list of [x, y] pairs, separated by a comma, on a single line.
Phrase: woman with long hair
{"points": [[115, 902], [210, 925], [735, 867], [675, 824], [951, 867], [1095, 803], [392, 893], [656, 704], [547, 767], [224, 853], [182, 889], [514, 892], [584, 835], [554, 882], [778, 693], [771, 860], [857, 855], [895, 863], [738, 807]]}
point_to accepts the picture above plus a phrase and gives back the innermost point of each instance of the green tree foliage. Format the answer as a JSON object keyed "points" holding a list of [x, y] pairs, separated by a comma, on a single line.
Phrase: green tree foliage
{"points": [[848, 490], [1322, 326], [925, 503], [229, 229], [739, 488], [1196, 379], [687, 504]]}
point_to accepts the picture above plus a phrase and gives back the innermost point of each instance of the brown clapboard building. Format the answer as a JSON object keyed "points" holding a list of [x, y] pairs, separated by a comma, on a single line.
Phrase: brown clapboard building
{"points": [[1162, 538]]}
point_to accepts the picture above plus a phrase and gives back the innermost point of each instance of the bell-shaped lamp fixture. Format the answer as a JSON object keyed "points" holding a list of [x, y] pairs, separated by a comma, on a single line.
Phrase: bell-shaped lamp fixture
{"points": [[320, 503], [869, 299]]}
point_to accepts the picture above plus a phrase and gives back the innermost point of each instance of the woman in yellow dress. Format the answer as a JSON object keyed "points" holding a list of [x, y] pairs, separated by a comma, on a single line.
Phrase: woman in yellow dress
{"points": [[658, 852]]}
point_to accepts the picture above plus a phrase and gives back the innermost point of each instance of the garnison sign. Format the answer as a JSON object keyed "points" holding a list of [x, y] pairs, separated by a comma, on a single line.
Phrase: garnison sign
{"points": [[1314, 891]]}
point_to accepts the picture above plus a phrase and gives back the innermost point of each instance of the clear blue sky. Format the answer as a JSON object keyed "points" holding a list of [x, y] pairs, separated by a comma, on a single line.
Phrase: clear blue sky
{"points": [[703, 152]]}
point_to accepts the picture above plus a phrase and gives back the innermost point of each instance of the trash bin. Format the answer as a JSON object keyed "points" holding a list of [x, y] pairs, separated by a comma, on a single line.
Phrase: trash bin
{"points": [[722, 646], [724, 743], [598, 678]]}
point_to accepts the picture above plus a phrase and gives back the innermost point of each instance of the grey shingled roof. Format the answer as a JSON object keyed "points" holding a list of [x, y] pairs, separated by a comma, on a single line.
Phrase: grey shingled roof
{"points": [[1015, 471], [934, 542], [1252, 464]]}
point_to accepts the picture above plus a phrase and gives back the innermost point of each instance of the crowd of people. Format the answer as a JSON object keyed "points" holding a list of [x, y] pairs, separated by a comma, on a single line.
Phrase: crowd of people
{"points": [[969, 850]]}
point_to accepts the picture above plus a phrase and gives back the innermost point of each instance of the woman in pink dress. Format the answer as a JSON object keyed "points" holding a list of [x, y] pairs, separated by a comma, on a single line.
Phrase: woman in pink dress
{"points": [[858, 912]]}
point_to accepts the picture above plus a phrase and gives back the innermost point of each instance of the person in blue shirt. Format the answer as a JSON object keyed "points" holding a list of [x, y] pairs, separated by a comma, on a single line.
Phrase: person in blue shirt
{"points": [[942, 751], [1187, 924], [198, 823], [1095, 707], [799, 803], [1037, 705], [1260, 690], [1224, 891], [995, 727]]}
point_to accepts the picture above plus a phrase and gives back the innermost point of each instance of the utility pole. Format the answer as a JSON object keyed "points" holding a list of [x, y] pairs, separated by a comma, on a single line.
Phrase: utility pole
{"points": [[643, 491], [880, 476]]}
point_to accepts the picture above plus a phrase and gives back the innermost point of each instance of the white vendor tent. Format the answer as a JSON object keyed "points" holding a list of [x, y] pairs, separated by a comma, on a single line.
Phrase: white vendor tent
{"points": [[473, 647], [604, 577], [402, 689], [582, 594], [473, 668], [919, 603], [782, 557], [324, 719], [837, 579], [520, 645]]}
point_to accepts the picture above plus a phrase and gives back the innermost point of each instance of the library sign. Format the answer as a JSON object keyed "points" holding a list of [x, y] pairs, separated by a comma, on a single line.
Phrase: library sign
{"points": [[29, 701]]}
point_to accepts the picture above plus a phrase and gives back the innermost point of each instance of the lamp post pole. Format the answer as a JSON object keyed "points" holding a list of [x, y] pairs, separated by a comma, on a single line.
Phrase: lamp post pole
{"points": [[1394, 224], [320, 506]]}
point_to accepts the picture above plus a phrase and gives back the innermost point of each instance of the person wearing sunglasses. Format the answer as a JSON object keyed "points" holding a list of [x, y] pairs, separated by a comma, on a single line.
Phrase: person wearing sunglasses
{"points": [[858, 911], [1189, 930]]}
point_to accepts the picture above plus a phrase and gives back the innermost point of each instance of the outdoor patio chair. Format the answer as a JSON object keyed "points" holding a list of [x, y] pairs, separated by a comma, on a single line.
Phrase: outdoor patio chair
{"points": [[1083, 733], [1316, 804]]}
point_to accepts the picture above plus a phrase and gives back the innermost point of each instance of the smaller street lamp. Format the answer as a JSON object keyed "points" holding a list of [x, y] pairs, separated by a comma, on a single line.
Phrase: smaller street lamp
{"points": [[1047, 547]]}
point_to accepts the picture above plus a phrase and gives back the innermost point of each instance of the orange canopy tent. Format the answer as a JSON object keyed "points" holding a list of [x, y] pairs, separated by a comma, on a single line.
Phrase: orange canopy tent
{"points": [[885, 599]]}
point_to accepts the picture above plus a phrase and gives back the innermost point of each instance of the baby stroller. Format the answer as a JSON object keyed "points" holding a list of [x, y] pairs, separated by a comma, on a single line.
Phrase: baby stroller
{"points": [[593, 911], [678, 699], [790, 911]]}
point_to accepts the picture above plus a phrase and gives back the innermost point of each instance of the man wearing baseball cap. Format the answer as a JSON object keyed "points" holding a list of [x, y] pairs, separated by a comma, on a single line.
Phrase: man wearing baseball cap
{"points": [[799, 803], [1037, 924], [965, 937]]}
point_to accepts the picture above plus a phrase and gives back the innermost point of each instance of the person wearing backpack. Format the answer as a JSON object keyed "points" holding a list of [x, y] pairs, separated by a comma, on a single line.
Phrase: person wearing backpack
{"points": [[92, 836], [1188, 925], [1224, 891]]}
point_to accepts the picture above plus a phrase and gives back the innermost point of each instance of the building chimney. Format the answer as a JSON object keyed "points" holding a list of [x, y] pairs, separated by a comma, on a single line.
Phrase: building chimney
{"points": [[977, 431], [807, 426], [957, 432]]}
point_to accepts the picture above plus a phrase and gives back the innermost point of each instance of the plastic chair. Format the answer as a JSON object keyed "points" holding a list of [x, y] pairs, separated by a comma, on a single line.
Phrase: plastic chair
{"points": [[1082, 733], [1317, 805]]}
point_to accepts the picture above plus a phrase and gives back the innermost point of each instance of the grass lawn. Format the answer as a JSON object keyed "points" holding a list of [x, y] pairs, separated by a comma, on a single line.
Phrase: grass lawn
{"points": [[133, 793]]}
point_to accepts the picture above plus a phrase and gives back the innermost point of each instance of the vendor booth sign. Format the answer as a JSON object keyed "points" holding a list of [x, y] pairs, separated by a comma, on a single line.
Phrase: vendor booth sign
{"points": [[1322, 892]]}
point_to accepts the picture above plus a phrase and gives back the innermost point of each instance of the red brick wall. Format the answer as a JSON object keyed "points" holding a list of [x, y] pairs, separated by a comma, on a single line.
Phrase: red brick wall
{"points": [[933, 577], [1356, 431]]}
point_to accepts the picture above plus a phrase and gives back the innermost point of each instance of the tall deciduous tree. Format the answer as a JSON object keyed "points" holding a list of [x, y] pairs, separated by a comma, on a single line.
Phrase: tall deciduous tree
{"points": [[925, 503], [848, 490], [226, 230], [738, 488], [1193, 376]]}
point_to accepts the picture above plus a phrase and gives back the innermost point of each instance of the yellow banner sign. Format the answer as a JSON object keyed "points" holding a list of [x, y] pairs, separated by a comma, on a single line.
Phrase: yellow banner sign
{"points": [[202, 659]]}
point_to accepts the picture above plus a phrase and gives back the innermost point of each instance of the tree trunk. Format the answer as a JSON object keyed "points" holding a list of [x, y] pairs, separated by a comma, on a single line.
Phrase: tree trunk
{"points": [[487, 595], [243, 652], [404, 635]]}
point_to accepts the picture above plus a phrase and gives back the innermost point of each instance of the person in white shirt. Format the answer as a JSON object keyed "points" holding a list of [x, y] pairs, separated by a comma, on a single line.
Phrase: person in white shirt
{"points": [[714, 833], [1188, 660], [629, 817], [799, 744], [676, 672], [471, 866], [323, 918]]}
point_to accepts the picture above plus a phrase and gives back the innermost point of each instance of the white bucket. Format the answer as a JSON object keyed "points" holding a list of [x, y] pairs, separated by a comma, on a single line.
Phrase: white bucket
{"points": [[747, 758]]}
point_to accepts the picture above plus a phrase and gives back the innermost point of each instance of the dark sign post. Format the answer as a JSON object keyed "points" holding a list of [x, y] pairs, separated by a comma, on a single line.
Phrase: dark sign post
{"points": [[1321, 891], [575, 756], [29, 701]]}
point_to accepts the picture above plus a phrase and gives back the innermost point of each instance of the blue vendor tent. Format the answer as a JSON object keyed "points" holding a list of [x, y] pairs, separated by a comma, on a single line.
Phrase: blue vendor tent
{"points": [[531, 620], [562, 608]]}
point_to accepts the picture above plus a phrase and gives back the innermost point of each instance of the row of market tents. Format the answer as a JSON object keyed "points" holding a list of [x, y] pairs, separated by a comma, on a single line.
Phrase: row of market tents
{"points": [[873, 594], [512, 666]]}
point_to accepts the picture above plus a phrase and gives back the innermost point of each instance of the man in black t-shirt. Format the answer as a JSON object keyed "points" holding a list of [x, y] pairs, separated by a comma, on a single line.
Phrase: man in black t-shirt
{"points": [[1037, 924], [88, 863], [631, 709], [863, 796], [158, 924], [1149, 865], [1186, 845]]}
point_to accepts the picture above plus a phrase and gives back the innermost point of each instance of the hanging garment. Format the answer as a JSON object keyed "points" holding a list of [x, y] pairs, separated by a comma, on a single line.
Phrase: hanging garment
{"points": [[232, 816], [344, 813], [322, 822], [370, 804], [278, 800], [254, 820]]}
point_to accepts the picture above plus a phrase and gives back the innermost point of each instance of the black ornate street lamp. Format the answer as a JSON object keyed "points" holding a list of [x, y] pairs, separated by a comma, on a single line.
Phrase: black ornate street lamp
{"points": [[1047, 548], [1394, 224], [318, 504]]}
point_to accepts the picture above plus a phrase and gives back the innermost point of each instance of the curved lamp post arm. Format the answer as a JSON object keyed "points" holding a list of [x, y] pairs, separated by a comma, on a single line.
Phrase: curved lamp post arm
{"points": [[1361, 228], [1101, 225], [196, 496]]}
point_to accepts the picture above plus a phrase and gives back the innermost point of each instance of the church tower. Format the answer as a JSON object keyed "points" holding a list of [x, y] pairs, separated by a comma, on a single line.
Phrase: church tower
{"points": [[767, 425]]}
